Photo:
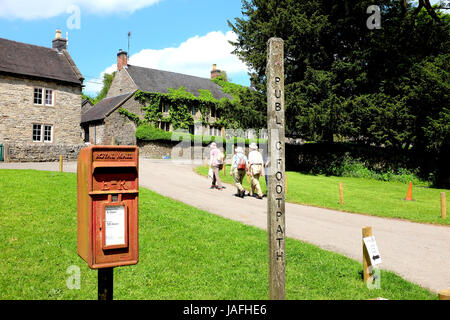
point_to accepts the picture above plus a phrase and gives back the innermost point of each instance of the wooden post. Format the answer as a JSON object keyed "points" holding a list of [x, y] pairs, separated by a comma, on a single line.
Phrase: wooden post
{"points": [[60, 163], [444, 295], [341, 193], [443, 206], [276, 179], [105, 283], [366, 232]]}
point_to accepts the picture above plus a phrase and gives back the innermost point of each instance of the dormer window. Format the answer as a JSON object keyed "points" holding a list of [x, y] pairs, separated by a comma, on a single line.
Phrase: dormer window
{"points": [[44, 96]]}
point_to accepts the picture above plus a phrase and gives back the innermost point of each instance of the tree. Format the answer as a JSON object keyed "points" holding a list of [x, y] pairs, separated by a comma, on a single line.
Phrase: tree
{"points": [[107, 81], [383, 87]]}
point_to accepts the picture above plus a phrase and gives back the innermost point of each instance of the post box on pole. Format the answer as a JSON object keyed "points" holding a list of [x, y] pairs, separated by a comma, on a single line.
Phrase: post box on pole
{"points": [[107, 206]]}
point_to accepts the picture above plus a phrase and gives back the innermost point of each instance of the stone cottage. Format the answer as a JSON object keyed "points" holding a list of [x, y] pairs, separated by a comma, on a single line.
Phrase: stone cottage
{"points": [[103, 124], [40, 101]]}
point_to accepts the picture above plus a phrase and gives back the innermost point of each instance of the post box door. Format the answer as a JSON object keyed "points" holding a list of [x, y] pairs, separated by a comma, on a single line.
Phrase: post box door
{"points": [[115, 226]]}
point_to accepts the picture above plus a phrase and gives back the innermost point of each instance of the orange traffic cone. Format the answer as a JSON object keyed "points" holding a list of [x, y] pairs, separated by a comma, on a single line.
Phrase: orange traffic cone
{"points": [[409, 194]]}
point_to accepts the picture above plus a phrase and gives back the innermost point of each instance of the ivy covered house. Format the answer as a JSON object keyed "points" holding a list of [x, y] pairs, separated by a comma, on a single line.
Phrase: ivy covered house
{"points": [[168, 100]]}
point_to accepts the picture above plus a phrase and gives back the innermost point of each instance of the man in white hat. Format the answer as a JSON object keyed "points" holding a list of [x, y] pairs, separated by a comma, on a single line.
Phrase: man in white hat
{"points": [[255, 163], [238, 167]]}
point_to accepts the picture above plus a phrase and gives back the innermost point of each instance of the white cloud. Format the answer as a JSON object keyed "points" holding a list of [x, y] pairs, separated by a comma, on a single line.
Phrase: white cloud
{"points": [[195, 57], [33, 9]]}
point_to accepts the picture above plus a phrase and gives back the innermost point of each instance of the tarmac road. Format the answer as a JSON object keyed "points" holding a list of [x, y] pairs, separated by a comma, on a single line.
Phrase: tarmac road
{"points": [[418, 252]]}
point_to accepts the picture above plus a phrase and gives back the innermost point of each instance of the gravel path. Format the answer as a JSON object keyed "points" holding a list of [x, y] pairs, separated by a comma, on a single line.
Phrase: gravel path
{"points": [[418, 252]]}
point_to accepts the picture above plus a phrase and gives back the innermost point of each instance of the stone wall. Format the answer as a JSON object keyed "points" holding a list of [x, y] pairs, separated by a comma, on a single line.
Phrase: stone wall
{"points": [[174, 150], [122, 83], [119, 128], [18, 112], [39, 153]]}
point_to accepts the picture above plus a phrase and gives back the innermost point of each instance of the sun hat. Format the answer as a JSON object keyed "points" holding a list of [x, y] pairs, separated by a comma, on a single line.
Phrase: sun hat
{"points": [[239, 150], [253, 146], [213, 145]]}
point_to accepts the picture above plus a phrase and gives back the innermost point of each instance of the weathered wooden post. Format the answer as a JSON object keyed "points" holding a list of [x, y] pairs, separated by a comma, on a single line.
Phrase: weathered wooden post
{"points": [[366, 232], [341, 193], [276, 188], [443, 206], [60, 163], [444, 295]]}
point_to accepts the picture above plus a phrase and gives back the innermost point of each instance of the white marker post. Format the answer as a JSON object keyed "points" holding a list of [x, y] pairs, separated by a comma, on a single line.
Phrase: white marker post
{"points": [[276, 178]]}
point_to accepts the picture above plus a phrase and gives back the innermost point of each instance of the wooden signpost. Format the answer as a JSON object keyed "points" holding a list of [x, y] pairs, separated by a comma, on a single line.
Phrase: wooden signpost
{"points": [[276, 178]]}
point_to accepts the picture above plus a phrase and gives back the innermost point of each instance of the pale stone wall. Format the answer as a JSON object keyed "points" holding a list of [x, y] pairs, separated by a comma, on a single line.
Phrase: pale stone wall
{"points": [[122, 83], [119, 128], [96, 130], [18, 113]]}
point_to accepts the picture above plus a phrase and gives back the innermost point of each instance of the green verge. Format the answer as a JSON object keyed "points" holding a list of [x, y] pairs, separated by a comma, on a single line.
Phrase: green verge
{"points": [[366, 196], [185, 253]]}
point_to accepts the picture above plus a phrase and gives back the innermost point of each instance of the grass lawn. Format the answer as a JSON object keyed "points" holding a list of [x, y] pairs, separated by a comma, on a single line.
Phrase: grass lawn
{"points": [[185, 253], [373, 197]]}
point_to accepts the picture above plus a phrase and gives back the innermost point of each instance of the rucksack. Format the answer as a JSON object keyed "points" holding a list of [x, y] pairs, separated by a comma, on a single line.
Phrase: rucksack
{"points": [[220, 157], [241, 163]]}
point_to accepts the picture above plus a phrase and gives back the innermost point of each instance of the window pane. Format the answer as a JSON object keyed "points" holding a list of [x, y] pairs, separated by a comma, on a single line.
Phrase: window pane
{"points": [[38, 95], [36, 132], [47, 133], [48, 97]]}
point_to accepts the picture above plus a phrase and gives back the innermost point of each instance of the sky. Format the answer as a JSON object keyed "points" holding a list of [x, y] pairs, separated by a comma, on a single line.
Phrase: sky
{"points": [[186, 36]]}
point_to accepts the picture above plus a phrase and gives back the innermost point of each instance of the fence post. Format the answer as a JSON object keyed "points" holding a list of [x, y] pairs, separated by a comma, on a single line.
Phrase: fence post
{"points": [[341, 193], [443, 206], [444, 295], [366, 232], [60, 163]]}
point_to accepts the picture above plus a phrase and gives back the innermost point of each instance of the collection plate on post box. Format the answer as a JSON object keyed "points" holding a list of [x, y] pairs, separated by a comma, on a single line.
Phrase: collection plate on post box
{"points": [[115, 229]]}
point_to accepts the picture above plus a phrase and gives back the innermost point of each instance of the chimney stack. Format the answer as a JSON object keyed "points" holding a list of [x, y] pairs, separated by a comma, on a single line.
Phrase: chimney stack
{"points": [[122, 59], [215, 72], [59, 43]]}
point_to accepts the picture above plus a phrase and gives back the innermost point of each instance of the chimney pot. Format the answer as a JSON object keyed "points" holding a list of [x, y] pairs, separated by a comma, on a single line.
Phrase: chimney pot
{"points": [[59, 43], [215, 72], [122, 59]]}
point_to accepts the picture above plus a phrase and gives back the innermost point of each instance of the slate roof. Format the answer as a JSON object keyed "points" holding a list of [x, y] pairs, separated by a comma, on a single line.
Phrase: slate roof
{"points": [[35, 61], [153, 80], [104, 107]]}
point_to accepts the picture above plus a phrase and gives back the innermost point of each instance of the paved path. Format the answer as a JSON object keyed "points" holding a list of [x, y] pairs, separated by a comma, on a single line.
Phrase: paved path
{"points": [[418, 252]]}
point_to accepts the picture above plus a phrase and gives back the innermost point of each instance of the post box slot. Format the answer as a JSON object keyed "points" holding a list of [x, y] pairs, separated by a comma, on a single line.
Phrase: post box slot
{"points": [[122, 179]]}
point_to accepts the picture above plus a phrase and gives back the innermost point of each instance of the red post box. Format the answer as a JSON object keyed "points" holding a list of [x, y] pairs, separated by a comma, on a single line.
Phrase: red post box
{"points": [[107, 190]]}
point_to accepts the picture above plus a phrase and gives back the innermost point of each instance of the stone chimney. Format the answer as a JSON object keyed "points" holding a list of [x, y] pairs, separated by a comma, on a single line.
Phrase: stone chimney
{"points": [[122, 59], [59, 43], [215, 72]]}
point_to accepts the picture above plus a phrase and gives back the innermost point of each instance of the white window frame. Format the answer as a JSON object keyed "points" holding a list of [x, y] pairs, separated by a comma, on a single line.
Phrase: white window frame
{"points": [[52, 97], [42, 133], [44, 96]]}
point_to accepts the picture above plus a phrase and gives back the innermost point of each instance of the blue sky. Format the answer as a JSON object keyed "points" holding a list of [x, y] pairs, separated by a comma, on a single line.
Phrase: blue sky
{"points": [[185, 36]]}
